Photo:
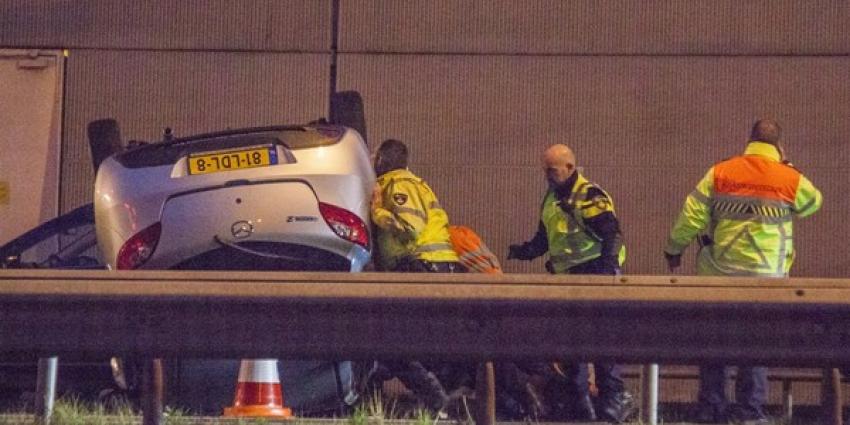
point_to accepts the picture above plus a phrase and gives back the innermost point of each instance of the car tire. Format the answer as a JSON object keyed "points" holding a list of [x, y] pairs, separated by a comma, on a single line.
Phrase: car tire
{"points": [[347, 109]]}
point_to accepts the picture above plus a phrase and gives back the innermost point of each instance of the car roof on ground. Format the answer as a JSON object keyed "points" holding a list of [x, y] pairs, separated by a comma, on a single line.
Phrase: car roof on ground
{"points": [[291, 137]]}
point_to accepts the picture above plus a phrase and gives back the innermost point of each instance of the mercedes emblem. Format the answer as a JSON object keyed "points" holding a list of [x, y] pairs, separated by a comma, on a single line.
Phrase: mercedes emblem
{"points": [[242, 229]]}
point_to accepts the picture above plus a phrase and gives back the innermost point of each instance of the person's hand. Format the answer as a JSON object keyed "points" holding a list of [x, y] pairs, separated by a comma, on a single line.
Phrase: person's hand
{"points": [[514, 252], [673, 261], [377, 196]]}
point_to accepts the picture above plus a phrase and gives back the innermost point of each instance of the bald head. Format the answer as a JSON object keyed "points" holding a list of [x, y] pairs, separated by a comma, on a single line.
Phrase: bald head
{"points": [[766, 130], [559, 163]]}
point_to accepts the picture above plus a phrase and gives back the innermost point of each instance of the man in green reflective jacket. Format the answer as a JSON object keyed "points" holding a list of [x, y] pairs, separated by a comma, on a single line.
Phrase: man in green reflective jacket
{"points": [[581, 234]]}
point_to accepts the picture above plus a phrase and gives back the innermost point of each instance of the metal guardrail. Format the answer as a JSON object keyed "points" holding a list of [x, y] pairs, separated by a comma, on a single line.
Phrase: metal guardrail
{"points": [[648, 319]]}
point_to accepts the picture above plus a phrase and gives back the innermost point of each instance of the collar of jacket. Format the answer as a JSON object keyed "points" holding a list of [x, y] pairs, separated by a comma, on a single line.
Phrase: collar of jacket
{"points": [[398, 173], [565, 190], [767, 150]]}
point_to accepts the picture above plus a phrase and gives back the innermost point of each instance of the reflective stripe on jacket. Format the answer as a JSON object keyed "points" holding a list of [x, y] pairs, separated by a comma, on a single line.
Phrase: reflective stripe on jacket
{"points": [[745, 205], [570, 241], [472, 252], [411, 223]]}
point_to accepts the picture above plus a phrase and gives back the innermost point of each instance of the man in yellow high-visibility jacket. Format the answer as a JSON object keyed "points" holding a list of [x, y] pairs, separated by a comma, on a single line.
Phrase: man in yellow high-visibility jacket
{"points": [[413, 229], [581, 234], [741, 213], [412, 236]]}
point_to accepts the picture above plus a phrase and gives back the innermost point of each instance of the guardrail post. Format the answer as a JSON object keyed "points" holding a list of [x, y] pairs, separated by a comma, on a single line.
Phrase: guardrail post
{"points": [[649, 394], [45, 388], [839, 396], [787, 400], [485, 394], [831, 404], [152, 392]]}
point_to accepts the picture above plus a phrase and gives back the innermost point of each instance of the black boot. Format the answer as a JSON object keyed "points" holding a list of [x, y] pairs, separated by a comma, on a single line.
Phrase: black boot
{"points": [[510, 409], [581, 410], [576, 410], [534, 400], [746, 415], [705, 413], [425, 385], [616, 408]]}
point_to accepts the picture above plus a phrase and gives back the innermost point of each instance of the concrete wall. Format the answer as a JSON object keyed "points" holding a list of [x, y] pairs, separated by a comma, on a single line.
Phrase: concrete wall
{"points": [[589, 27], [648, 93], [645, 128], [257, 25]]}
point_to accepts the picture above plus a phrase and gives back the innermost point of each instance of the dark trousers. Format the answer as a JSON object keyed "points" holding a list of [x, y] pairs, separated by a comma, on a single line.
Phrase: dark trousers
{"points": [[419, 379], [412, 265], [608, 379], [750, 387], [427, 380], [520, 389]]}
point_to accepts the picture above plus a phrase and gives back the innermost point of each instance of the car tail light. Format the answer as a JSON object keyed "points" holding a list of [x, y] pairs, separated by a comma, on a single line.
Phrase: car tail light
{"points": [[138, 249], [345, 224]]}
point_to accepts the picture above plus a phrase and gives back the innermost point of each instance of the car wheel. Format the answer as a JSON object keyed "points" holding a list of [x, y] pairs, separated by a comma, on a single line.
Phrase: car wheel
{"points": [[104, 140], [347, 109]]}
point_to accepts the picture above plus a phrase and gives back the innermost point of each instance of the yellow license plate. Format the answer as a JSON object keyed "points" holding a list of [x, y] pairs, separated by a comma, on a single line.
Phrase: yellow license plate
{"points": [[232, 160]]}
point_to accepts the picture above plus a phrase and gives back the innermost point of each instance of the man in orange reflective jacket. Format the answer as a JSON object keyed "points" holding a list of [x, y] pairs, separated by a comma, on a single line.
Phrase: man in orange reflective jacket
{"points": [[741, 213]]}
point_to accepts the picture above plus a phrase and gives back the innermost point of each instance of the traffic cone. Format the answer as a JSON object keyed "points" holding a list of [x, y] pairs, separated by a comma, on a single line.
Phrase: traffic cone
{"points": [[258, 391]]}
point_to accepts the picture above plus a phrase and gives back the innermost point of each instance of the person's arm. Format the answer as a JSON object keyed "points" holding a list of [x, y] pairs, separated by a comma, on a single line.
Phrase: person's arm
{"points": [[808, 199], [598, 214], [532, 249], [381, 216], [408, 207], [436, 216], [693, 219], [398, 209]]}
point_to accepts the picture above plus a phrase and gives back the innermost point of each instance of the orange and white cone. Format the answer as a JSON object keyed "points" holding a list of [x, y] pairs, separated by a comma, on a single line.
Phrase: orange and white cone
{"points": [[258, 392]]}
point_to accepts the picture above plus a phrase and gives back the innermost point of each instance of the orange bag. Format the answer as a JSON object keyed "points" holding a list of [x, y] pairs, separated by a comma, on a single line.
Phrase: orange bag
{"points": [[472, 251]]}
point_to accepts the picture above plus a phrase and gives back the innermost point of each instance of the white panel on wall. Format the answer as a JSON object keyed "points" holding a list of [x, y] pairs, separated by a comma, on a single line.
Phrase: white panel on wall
{"points": [[30, 107]]}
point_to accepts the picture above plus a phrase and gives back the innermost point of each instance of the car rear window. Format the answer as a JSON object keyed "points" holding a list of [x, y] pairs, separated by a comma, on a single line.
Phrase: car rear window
{"points": [[165, 153]]}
